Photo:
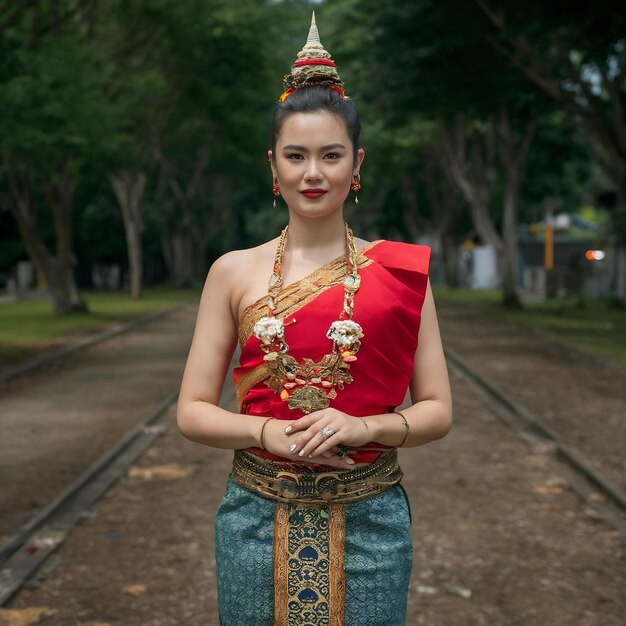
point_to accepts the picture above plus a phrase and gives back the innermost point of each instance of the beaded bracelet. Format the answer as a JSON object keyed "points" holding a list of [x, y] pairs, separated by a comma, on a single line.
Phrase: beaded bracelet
{"points": [[406, 424], [262, 431]]}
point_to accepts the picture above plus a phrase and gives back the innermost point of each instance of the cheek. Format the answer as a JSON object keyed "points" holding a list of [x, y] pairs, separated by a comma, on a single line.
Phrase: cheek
{"points": [[342, 175], [288, 171], [290, 177]]}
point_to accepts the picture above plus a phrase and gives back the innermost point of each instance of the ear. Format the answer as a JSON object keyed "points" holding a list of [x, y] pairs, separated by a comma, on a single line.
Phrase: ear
{"points": [[270, 158], [360, 155]]}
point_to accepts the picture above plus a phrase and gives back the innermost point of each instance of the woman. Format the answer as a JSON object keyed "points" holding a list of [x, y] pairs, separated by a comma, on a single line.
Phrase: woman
{"points": [[314, 527]]}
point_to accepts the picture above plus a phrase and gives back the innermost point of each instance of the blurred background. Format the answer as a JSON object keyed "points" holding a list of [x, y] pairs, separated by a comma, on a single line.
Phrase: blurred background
{"points": [[133, 139]]}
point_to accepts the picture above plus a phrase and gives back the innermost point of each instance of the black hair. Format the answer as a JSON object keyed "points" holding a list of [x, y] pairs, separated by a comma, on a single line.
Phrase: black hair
{"points": [[312, 99]]}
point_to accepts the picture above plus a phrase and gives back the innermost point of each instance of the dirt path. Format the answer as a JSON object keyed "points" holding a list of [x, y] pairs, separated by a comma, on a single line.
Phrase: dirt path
{"points": [[58, 421], [498, 539], [581, 397]]}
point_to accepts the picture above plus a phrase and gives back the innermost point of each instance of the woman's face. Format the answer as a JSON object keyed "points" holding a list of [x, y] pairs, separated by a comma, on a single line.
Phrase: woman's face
{"points": [[314, 163]]}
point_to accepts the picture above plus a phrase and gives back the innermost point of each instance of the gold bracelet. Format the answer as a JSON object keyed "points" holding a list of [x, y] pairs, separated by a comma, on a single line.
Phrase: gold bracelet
{"points": [[367, 428], [262, 431], [406, 424]]}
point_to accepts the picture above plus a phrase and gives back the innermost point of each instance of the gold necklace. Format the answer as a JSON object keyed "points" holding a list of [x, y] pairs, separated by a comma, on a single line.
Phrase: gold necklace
{"points": [[310, 385]]}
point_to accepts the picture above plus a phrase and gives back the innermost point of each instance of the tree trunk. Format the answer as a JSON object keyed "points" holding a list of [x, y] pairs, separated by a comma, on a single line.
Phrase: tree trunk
{"points": [[474, 174], [57, 272], [177, 246], [181, 246], [510, 296], [128, 188], [447, 207], [178, 240], [514, 159], [60, 195]]}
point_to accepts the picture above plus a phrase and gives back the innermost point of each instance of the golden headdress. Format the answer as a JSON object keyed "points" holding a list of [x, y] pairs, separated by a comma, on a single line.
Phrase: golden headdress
{"points": [[313, 67]]}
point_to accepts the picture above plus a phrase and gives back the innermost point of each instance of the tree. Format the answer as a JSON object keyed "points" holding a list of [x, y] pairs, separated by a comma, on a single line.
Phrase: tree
{"points": [[577, 57], [51, 87], [430, 60]]}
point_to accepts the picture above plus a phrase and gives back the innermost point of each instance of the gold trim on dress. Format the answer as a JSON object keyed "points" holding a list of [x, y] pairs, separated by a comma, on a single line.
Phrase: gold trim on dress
{"points": [[301, 292], [281, 528], [309, 570], [337, 532]]}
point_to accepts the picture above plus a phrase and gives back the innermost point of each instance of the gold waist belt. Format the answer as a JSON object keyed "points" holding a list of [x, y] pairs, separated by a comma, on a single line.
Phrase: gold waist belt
{"points": [[272, 480]]}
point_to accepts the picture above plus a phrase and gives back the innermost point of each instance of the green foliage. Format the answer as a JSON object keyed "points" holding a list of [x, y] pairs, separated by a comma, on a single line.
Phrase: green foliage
{"points": [[53, 101], [414, 66], [102, 85]]}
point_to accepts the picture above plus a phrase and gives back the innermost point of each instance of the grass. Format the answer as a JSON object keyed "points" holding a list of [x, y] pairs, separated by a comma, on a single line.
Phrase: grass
{"points": [[591, 325], [29, 325]]}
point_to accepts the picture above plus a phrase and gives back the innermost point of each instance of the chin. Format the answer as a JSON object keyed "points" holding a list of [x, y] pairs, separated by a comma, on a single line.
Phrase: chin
{"points": [[313, 209], [314, 213]]}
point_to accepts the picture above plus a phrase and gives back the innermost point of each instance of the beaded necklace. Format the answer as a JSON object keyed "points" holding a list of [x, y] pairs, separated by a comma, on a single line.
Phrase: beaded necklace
{"points": [[310, 385]]}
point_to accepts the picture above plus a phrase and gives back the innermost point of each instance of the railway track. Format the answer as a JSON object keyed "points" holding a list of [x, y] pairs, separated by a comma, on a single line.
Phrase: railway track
{"points": [[583, 478], [28, 546]]}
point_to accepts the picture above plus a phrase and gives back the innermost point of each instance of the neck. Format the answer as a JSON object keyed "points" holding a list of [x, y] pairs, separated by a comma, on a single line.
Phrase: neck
{"points": [[318, 237]]}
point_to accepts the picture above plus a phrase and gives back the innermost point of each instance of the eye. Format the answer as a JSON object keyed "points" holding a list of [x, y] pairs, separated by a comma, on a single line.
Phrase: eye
{"points": [[295, 156], [332, 155]]}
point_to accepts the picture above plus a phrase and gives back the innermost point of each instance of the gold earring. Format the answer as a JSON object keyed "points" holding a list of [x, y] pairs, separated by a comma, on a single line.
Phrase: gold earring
{"points": [[356, 187], [276, 191]]}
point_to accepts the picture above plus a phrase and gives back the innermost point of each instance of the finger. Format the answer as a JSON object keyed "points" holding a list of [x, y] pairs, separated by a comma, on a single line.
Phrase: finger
{"points": [[296, 426], [306, 436], [319, 444], [335, 456], [303, 422], [328, 445]]}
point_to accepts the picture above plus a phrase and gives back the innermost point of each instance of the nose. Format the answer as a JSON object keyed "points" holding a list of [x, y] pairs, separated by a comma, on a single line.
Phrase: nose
{"points": [[312, 170]]}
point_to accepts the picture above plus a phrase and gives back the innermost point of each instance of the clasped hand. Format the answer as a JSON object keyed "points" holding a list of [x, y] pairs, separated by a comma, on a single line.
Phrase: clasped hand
{"points": [[305, 439]]}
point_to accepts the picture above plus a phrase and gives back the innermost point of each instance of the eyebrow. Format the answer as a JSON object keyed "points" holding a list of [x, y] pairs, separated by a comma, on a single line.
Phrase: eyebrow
{"points": [[332, 146]]}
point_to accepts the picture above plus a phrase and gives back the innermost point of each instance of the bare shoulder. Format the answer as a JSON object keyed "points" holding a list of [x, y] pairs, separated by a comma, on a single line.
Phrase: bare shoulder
{"points": [[228, 265], [241, 273], [236, 264]]}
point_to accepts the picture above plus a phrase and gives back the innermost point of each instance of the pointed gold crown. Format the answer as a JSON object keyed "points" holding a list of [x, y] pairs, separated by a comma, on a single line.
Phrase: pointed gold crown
{"points": [[313, 67]]}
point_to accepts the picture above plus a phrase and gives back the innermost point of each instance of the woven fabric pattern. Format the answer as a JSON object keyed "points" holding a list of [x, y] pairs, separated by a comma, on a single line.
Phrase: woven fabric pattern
{"points": [[378, 558]]}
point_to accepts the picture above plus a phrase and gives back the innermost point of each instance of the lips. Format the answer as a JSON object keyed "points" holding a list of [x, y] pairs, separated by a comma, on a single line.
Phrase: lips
{"points": [[313, 194]]}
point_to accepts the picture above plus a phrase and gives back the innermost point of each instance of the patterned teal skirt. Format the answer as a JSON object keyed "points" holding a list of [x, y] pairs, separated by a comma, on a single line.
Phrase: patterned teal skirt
{"points": [[378, 557]]}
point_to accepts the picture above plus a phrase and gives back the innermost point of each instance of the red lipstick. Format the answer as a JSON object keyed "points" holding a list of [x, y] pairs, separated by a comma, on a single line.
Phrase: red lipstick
{"points": [[313, 194]]}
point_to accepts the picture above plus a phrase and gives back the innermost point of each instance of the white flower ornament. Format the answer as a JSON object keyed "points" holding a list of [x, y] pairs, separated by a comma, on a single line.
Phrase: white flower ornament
{"points": [[267, 329], [345, 332]]}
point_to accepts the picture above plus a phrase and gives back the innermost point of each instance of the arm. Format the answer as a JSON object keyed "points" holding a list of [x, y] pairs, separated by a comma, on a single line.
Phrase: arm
{"points": [[215, 337], [430, 417], [199, 417]]}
